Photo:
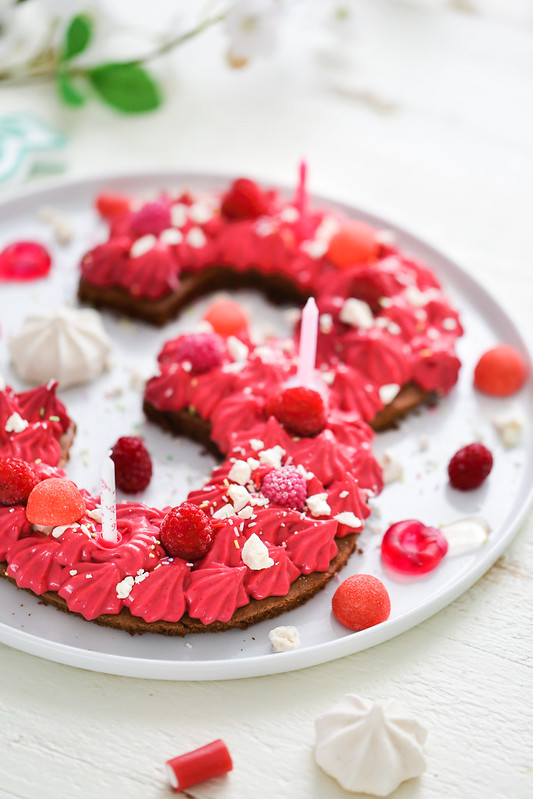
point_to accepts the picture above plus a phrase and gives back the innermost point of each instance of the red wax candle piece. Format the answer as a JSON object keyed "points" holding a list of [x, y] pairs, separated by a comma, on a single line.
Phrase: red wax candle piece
{"points": [[211, 760]]}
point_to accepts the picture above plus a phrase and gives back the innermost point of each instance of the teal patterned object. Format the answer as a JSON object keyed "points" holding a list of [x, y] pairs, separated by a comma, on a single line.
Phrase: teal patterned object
{"points": [[29, 146]]}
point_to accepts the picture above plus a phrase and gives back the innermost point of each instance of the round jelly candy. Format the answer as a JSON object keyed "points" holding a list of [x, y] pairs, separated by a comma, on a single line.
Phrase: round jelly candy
{"points": [[54, 503], [226, 317], [412, 548], [361, 601], [24, 260], [500, 371], [354, 244]]}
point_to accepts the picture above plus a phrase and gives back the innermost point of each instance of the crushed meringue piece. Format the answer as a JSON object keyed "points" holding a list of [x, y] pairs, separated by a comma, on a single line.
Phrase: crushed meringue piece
{"points": [[124, 587], [318, 505], [391, 466], [239, 497], [237, 349], [178, 214], [272, 457], [224, 512], [240, 472], [284, 638], [196, 238], [510, 427], [143, 245], [349, 519], [356, 313], [255, 554], [388, 392], [171, 236], [15, 423]]}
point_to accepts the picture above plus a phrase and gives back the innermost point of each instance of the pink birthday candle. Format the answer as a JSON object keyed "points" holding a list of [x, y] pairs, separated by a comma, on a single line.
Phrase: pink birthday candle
{"points": [[301, 200], [107, 501], [305, 375]]}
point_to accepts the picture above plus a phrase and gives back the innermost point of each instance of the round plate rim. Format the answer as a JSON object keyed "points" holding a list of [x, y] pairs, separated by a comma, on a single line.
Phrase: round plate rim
{"points": [[300, 658]]}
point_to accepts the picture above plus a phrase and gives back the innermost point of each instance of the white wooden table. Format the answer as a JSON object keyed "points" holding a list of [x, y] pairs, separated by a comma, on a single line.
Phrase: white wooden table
{"points": [[427, 120]]}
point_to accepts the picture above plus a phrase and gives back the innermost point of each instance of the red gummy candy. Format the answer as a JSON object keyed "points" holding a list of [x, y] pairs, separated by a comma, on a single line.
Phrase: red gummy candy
{"points": [[412, 548], [360, 602], [211, 760], [355, 244], [55, 502], [500, 371], [226, 317], [110, 204], [24, 261]]}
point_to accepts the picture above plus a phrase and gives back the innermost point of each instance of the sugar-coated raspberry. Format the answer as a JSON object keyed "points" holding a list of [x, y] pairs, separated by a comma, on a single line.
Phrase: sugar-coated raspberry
{"points": [[470, 466], [301, 410], [244, 200], [55, 502], [412, 548], [151, 218], [361, 601], [186, 532], [204, 351], [17, 479], [111, 204], [285, 486], [24, 260], [226, 317], [500, 371], [354, 244], [133, 464]]}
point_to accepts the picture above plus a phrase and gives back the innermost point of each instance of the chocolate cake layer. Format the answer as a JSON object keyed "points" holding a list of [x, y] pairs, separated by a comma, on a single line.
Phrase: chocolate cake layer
{"points": [[277, 288], [301, 590]]}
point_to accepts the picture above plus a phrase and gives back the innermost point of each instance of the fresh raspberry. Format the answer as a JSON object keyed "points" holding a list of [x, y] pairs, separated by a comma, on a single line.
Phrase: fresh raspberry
{"points": [[301, 410], [186, 532], [470, 466], [55, 502], [133, 464], [24, 260], [500, 371], [355, 244], [226, 317], [285, 486], [151, 218], [110, 204], [204, 351], [244, 200], [361, 601], [17, 479]]}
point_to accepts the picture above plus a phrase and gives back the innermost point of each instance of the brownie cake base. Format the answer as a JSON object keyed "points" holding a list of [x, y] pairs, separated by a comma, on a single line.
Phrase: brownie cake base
{"points": [[301, 590], [277, 288]]}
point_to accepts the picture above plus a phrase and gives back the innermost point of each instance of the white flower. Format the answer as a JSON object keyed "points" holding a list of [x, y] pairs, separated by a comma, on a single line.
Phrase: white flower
{"points": [[252, 27], [24, 33]]}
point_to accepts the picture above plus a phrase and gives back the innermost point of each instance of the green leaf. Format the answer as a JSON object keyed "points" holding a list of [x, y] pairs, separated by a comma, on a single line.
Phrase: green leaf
{"points": [[126, 87], [78, 35], [69, 93]]}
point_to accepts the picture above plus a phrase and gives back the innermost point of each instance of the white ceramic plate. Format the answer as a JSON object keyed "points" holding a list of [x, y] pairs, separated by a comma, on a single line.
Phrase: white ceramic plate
{"points": [[111, 407]]}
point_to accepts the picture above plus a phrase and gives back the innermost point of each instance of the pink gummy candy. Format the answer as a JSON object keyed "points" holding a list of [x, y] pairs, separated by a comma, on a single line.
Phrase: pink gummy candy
{"points": [[24, 260]]}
